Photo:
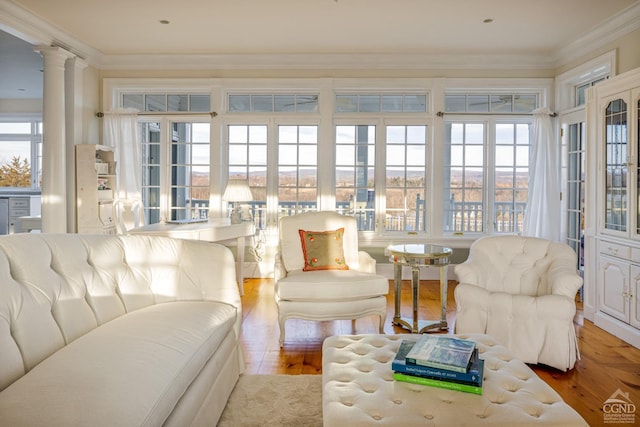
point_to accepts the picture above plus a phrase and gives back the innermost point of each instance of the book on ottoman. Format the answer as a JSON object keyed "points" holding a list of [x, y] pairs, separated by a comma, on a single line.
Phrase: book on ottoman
{"points": [[473, 376], [444, 352]]}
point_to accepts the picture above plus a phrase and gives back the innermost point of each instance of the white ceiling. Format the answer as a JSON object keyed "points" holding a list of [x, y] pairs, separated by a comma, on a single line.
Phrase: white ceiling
{"points": [[112, 32]]}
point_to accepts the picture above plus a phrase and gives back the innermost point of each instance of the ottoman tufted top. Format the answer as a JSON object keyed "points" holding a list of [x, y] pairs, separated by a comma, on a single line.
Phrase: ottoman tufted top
{"points": [[359, 389]]}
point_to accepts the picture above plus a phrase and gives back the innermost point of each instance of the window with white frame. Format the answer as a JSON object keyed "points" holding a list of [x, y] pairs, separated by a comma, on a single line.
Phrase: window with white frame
{"points": [[297, 169], [487, 147], [355, 173], [369, 155], [20, 154], [247, 160], [406, 178], [183, 145], [464, 177]]}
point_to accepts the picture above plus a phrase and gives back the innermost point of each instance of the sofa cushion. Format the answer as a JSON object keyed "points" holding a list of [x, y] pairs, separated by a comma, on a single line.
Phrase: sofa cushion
{"points": [[140, 363], [322, 250], [331, 285]]}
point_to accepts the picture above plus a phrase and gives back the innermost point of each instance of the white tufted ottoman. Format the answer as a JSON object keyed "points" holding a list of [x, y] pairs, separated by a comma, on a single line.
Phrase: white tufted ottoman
{"points": [[359, 390]]}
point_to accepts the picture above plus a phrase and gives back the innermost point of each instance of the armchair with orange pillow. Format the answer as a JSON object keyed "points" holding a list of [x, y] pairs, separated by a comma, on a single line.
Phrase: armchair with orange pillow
{"points": [[322, 275]]}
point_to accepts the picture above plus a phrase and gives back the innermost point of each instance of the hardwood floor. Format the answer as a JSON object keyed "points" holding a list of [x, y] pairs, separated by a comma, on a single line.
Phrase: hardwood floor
{"points": [[607, 363]]}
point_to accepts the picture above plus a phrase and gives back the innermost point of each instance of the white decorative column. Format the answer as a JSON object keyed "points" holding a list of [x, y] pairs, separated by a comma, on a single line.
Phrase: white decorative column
{"points": [[54, 153], [74, 131]]}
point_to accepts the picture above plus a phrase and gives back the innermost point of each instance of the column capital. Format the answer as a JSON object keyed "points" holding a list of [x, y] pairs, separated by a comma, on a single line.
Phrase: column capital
{"points": [[54, 54]]}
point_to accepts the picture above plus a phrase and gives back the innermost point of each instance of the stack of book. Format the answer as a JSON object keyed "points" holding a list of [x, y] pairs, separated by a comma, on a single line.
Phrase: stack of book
{"points": [[440, 361]]}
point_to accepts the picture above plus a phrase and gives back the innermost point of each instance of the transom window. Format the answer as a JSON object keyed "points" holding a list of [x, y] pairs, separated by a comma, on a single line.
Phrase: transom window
{"points": [[490, 103], [375, 103], [273, 103], [149, 102]]}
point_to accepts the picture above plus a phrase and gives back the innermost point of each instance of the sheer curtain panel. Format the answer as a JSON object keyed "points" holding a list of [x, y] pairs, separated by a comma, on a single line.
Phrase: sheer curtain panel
{"points": [[542, 217], [121, 133]]}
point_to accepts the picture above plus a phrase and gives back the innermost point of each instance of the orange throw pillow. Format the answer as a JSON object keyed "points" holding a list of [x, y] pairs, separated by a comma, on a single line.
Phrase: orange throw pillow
{"points": [[323, 250]]}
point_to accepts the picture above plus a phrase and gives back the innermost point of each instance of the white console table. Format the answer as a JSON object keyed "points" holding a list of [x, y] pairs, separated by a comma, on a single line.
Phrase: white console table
{"points": [[214, 230]]}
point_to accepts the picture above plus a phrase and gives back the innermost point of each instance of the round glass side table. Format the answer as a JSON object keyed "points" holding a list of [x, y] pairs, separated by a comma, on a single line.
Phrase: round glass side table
{"points": [[416, 256]]}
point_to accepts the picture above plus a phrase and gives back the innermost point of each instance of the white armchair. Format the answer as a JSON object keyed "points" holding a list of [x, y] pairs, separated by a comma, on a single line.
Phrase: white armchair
{"points": [[326, 294], [521, 291]]}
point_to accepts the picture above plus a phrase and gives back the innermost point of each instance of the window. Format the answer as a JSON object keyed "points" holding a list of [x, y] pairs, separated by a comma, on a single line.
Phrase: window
{"points": [[20, 154], [465, 205], [185, 147], [281, 103], [490, 103], [512, 147], [149, 102], [355, 173], [189, 170], [151, 170], [409, 103], [581, 90], [575, 188], [464, 178], [248, 160], [406, 178], [297, 169]]}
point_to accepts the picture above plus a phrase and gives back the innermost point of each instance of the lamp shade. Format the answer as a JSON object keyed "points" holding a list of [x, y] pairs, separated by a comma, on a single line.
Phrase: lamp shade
{"points": [[237, 191]]}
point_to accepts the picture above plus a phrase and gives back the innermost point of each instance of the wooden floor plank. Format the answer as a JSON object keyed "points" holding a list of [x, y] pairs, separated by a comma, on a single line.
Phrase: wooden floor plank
{"points": [[607, 363]]}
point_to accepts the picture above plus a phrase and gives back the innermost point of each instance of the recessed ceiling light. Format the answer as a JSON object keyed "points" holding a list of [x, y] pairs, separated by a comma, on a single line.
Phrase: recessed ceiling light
{"points": [[488, 21], [164, 21]]}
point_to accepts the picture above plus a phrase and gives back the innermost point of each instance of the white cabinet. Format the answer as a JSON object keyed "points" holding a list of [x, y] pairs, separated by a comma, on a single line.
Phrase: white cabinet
{"points": [[612, 267], [95, 184]]}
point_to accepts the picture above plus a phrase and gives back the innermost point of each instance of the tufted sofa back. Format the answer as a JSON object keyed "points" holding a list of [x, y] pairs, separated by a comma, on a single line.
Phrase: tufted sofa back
{"points": [[55, 288], [291, 246], [517, 265]]}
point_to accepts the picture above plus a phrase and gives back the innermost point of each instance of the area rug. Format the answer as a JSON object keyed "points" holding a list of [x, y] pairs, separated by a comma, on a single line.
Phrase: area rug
{"points": [[275, 401]]}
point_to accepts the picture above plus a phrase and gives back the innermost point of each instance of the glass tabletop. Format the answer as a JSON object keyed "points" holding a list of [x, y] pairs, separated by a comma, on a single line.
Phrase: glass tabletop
{"points": [[420, 250]]}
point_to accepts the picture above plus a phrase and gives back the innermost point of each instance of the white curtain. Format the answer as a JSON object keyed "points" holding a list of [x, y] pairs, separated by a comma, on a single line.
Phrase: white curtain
{"points": [[542, 217], [121, 132]]}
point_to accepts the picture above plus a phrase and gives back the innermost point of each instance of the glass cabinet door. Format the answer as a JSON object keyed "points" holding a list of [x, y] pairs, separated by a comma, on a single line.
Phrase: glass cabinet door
{"points": [[637, 163], [616, 166]]}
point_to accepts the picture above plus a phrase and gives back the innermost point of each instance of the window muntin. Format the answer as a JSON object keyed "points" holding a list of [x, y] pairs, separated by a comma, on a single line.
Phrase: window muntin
{"points": [[20, 154], [247, 146], [464, 179], [297, 169], [406, 178], [355, 173]]}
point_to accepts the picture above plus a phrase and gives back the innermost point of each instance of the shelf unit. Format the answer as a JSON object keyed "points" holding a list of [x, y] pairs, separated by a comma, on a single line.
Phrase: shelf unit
{"points": [[612, 276], [95, 184]]}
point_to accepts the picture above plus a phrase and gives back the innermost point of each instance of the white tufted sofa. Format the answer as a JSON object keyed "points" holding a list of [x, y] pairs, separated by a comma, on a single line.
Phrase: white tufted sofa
{"points": [[116, 331], [521, 291], [359, 390]]}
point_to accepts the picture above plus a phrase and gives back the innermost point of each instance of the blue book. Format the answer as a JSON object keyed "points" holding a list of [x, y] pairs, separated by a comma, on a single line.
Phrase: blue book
{"points": [[473, 376]]}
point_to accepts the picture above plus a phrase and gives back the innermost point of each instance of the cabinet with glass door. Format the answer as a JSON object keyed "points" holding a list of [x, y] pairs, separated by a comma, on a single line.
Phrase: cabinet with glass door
{"points": [[613, 145]]}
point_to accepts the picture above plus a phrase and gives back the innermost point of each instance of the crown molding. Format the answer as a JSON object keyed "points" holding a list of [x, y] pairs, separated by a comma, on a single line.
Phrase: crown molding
{"points": [[336, 61], [22, 23], [627, 21]]}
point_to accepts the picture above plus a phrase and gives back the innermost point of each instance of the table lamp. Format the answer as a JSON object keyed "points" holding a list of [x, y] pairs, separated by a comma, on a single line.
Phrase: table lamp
{"points": [[238, 191]]}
